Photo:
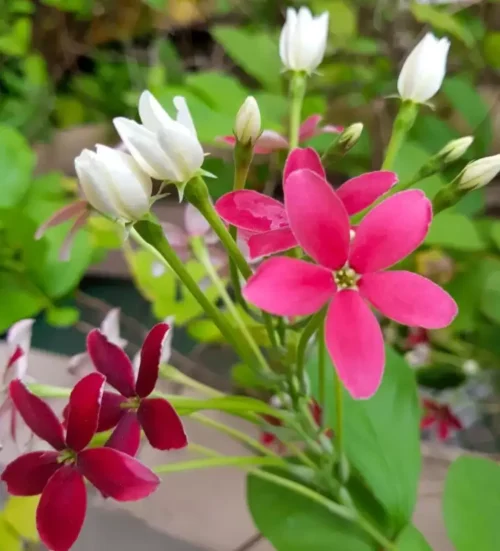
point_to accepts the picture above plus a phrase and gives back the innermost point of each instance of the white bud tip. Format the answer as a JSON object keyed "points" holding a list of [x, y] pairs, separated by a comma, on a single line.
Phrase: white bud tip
{"points": [[479, 173], [248, 122]]}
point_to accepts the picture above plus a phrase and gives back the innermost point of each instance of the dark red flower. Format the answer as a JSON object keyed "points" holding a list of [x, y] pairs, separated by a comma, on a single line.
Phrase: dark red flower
{"points": [[441, 417], [59, 475], [133, 408]]}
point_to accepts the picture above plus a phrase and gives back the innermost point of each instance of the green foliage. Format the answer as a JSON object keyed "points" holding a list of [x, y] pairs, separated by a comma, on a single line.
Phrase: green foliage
{"points": [[411, 539], [455, 231], [17, 523], [442, 21]]}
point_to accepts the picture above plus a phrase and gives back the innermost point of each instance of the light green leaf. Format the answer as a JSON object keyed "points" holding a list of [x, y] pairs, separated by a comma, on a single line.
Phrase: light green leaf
{"points": [[292, 522], [442, 21], [471, 504], [455, 231], [490, 299], [62, 317], [20, 513], [9, 540], [343, 20], [411, 539], [219, 91], [491, 47], [16, 42]]}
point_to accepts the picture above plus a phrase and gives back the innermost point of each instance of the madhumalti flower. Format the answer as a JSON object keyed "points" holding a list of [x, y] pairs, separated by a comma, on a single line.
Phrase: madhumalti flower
{"points": [[59, 475], [16, 367], [247, 123], [424, 70], [441, 418], [270, 141], [303, 40], [134, 407], [264, 219], [479, 173], [350, 275]]}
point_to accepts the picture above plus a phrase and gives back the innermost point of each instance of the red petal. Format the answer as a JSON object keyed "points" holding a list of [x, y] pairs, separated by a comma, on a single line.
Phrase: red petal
{"points": [[362, 191], [150, 360], [443, 430], [110, 360], [16, 355], [37, 415], [28, 474], [84, 406], [61, 511], [111, 411], [161, 424], [127, 435], [427, 421], [116, 474], [271, 242], [300, 158]]}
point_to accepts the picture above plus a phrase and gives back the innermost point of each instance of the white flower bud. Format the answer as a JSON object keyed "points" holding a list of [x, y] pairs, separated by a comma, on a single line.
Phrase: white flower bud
{"points": [[303, 40], [479, 173], [247, 125], [455, 149], [113, 183], [351, 135], [424, 69], [164, 148], [470, 367]]}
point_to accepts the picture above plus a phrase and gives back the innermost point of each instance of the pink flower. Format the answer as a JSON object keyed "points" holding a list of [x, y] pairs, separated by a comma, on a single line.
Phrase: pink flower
{"points": [[270, 141], [134, 407], [59, 475], [441, 417], [265, 220], [349, 275]]}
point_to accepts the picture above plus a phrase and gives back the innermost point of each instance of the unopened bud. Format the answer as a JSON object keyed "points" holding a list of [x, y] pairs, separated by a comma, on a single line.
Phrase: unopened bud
{"points": [[479, 173], [247, 125], [350, 136], [455, 149]]}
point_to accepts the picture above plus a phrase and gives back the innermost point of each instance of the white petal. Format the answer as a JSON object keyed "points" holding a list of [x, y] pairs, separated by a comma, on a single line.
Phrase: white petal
{"points": [[184, 115], [19, 334], [152, 114], [184, 152], [110, 327], [166, 351]]}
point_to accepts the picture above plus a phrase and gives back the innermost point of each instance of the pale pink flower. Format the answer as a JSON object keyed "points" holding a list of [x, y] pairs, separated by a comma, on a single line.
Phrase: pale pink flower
{"points": [[264, 219], [349, 275], [270, 140]]}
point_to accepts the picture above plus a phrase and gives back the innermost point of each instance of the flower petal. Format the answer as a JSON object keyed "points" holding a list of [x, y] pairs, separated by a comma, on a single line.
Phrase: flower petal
{"points": [[161, 424], [306, 158], [318, 218], [61, 510], [116, 474], [111, 411], [289, 287], [83, 413], [195, 223], [409, 299], [391, 231], [62, 215], [271, 242], [37, 415], [309, 128], [150, 359], [362, 191], [127, 435], [355, 343], [112, 362], [19, 336], [250, 210], [67, 244], [268, 142], [28, 474]]}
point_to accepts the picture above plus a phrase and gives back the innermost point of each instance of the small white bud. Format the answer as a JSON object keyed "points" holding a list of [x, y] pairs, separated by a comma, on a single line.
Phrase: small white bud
{"points": [[470, 367], [247, 124], [455, 149], [479, 173], [351, 135]]}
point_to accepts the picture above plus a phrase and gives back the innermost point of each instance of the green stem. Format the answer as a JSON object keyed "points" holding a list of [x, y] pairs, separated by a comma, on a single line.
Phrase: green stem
{"points": [[173, 374], [403, 123], [297, 92], [203, 450], [224, 461], [234, 274], [304, 339], [202, 255], [343, 472], [322, 372]]}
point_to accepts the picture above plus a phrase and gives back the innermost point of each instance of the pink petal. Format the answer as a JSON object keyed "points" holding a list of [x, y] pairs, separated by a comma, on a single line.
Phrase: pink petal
{"points": [[427, 421], [391, 231], [175, 235], [150, 360], [251, 210], [161, 424], [83, 413], [360, 192], [194, 222], [127, 435], [78, 224], [111, 411], [19, 335], [355, 343], [110, 360], [62, 215], [443, 430], [37, 415], [268, 142], [300, 158], [271, 242], [115, 474], [454, 422], [289, 287], [318, 218], [14, 357], [61, 510], [409, 299], [332, 129], [230, 140], [309, 128], [28, 474]]}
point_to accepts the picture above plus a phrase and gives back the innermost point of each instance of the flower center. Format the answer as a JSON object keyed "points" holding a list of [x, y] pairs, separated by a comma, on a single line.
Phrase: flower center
{"points": [[67, 457], [131, 403], [345, 278]]}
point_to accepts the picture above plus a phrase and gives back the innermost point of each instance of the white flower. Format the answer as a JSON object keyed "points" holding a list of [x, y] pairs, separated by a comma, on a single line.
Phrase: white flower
{"points": [[166, 149], [303, 40], [479, 173], [424, 69], [113, 183], [470, 367], [455, 149], [247, 125]]}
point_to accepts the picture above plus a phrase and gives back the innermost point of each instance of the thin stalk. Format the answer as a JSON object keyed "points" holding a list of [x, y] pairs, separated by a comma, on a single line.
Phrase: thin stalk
{"points": [[202, 450], [305, 336], [171, 373], [339, 410], [404, 121], [224, 461], [322, 372], [296, 93]]}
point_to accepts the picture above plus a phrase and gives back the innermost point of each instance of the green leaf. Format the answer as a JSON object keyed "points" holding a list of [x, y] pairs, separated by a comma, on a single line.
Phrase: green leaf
{"points": [[411, 539], [16, 165], [62, 317], [20, 513], [471, 504], [343, 22], [255, 52], [9, 540], [442, 21], [292, 522], [221, 92], [382, 436], [455, 231], [17, 41], [491, 47], [490, 299]]}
